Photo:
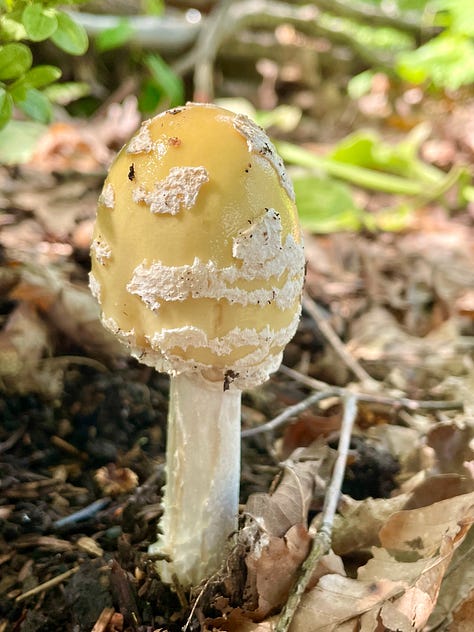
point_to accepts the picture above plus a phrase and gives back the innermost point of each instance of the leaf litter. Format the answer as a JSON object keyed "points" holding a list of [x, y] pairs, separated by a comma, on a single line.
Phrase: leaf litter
{"points": [[83, 427]]}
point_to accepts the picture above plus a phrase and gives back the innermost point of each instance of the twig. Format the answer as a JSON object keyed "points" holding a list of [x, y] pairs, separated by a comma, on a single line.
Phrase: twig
{"points": [[268, 14], [47, 585], [82, 514], [291, 411], [104, 619], [383, 400], [328, 332], [375, 15], [205, 51], [322, 541]]}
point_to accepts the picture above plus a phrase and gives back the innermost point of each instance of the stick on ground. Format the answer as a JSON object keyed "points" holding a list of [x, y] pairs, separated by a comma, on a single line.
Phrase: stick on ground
{"points": [[322, 540]]}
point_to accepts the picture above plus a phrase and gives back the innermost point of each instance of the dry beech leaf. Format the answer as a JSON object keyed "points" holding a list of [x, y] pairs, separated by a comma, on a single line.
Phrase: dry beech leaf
{"points": [[270, 572], [420, 531], [338, 599], [452, 446], [358, 524], [24, 341], [400, 594], [289, 503], [457, 588]]}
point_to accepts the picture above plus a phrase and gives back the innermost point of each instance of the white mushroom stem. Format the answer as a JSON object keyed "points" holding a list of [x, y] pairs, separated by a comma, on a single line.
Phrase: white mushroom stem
{"points": [[201, 496]]}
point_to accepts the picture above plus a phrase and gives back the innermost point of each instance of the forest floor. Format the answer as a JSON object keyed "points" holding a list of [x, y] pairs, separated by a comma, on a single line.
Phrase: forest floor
{"points": [[389, 317]]}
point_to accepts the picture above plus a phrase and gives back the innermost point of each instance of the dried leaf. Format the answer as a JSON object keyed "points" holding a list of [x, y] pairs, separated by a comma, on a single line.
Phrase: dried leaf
{"points": [[271, 571], [457, 587], [24, 342], [338, 599], [419, 532], [358, 524], [289, 503]]}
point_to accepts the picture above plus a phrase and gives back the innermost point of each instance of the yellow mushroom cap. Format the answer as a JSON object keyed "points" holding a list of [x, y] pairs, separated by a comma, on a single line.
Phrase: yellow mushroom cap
{"points": [[197, 258]]}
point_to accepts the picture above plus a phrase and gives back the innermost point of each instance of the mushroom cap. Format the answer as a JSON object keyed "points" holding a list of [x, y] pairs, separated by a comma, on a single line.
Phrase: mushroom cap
{"points": [[197, 257]]}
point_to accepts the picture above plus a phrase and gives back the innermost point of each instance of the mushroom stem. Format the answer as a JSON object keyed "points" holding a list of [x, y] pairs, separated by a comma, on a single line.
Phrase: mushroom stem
{"points": [[201, 496]]}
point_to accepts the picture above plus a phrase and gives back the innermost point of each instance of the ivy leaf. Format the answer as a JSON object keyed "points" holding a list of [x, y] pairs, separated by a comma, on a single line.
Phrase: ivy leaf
{"points": [[37, 106], [39, 22], [6, 107], [70, 36], [15, 59]]}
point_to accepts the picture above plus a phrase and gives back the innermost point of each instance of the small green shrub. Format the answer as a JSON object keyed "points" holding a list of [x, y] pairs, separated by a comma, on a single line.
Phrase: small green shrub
{"points": [[21, 83]]}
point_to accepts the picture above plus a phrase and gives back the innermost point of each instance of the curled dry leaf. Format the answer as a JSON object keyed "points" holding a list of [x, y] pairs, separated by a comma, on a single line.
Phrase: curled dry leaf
{"points": [[358, 524], [24, 342], [398, 587], [277, 536], [289, 503]]}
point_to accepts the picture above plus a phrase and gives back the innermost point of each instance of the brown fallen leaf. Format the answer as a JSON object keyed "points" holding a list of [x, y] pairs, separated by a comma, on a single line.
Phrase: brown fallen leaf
{"points": [[24, 342], [288, 505], [68, 307]]}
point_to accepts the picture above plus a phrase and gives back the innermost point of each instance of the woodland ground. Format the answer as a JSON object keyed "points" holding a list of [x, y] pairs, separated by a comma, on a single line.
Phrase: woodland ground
{"points": [[84, 428]]}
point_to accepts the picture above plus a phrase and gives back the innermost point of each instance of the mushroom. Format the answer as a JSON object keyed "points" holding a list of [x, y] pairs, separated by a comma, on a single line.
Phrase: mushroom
{"points": [[198, 266]]}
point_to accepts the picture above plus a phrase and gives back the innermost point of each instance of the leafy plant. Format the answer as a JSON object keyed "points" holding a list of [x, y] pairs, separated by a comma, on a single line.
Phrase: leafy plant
{"points": [[21, 83]]}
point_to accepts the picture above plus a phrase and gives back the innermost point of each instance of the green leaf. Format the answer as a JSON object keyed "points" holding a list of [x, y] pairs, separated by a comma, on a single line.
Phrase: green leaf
{"points": [[18, 141], [41, 76], [11, 28], [361, 84], [36, 77], [166, 80], [6, 107], [70, 36], [37, 106], [153, 7], [460, 15], [65, 93], [326, 206], [114, 37], [39, 22], [447, 61], [15, 59]]}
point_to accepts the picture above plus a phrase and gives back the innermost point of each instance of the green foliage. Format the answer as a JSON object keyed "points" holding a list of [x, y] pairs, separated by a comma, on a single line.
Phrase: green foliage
{"points": [[326, 206], [162, 85], [114, 37], [447, 60], [22, 85], [18, 141]]}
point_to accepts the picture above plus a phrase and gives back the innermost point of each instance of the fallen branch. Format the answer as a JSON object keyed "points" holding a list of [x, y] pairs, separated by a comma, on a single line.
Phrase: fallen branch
{"points": [[47, 585], [322, 540], [289, 412], [328, 332], [384, 400]]}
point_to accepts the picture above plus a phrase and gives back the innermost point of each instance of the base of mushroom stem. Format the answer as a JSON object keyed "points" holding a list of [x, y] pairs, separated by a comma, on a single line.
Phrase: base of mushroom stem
{"points": [[201, 495]]}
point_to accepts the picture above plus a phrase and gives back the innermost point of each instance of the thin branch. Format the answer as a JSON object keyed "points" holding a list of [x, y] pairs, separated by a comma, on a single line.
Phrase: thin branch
{"points": [[328, 332], [383, 400], [47, 585], [373, 14], [322, 541], [267, 15], [205, 51], [289, 412]]}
